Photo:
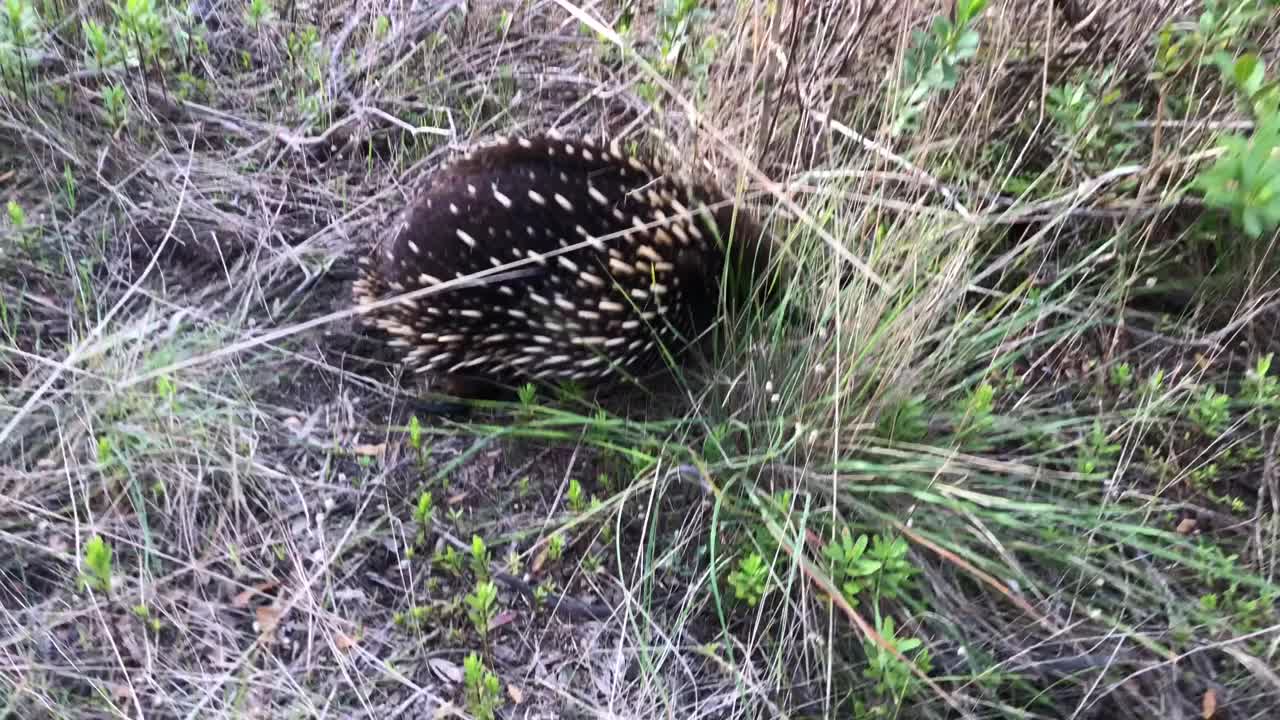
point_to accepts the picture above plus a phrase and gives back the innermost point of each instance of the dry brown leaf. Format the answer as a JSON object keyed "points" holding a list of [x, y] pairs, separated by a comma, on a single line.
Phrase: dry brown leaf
{"points": [[1260, 668], [506, 617], [268, 619], [1187, 526], [1208, 705], [445, 670], [345, 642], [516, 694], [370, 450], [241, 600]]}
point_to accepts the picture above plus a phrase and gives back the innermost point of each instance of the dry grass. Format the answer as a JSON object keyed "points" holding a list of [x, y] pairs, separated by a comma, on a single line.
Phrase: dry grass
{"points": [[183, 377]]}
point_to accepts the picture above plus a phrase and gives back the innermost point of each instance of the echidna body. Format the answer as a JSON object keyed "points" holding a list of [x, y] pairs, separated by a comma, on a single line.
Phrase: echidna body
{"points": [[592, 263]]}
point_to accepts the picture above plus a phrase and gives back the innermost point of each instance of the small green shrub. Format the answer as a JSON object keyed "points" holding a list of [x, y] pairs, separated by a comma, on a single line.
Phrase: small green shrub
{"points": [[479, 558], [679, 21], [482, 606], [21, 35], [576, 496], [1088, 113], [97, 561], [893, 677], [1097, 455], [258, 14], [908, 421], [450, 560], [1211, 412], [482, 688], [750, 579], [976, 417], [849, 568], [1222, 25], [116, 103], [895, 570], [1245, 180], [1260, 389], [930, 65], [422, 513], [1122, 375], [555, 547]]}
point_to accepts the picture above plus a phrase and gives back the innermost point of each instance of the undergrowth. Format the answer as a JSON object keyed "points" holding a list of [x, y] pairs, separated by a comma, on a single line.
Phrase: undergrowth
{"points": [[1006, 447]]}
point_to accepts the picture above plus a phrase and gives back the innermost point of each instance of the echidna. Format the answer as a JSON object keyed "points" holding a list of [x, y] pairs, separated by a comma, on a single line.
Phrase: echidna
{"points": [[591, 263]]}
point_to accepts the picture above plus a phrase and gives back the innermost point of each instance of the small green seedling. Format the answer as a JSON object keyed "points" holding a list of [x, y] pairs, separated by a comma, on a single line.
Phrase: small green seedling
{"points": [[892, 677], [1210, 412], [479, 558], [750, 580], [97, 562], [555, 547], [850, 569], [482, 688], [482, 604], [1245, 179], [577, 499]]}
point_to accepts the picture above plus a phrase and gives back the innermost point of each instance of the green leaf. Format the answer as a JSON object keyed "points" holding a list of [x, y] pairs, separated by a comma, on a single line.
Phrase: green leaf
{"points": [[859, 547], [97, 557], [967, 10], [1249, 73], [967, 44], [941, 28], [863, 568], [908, 644], [1252, 223]]}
